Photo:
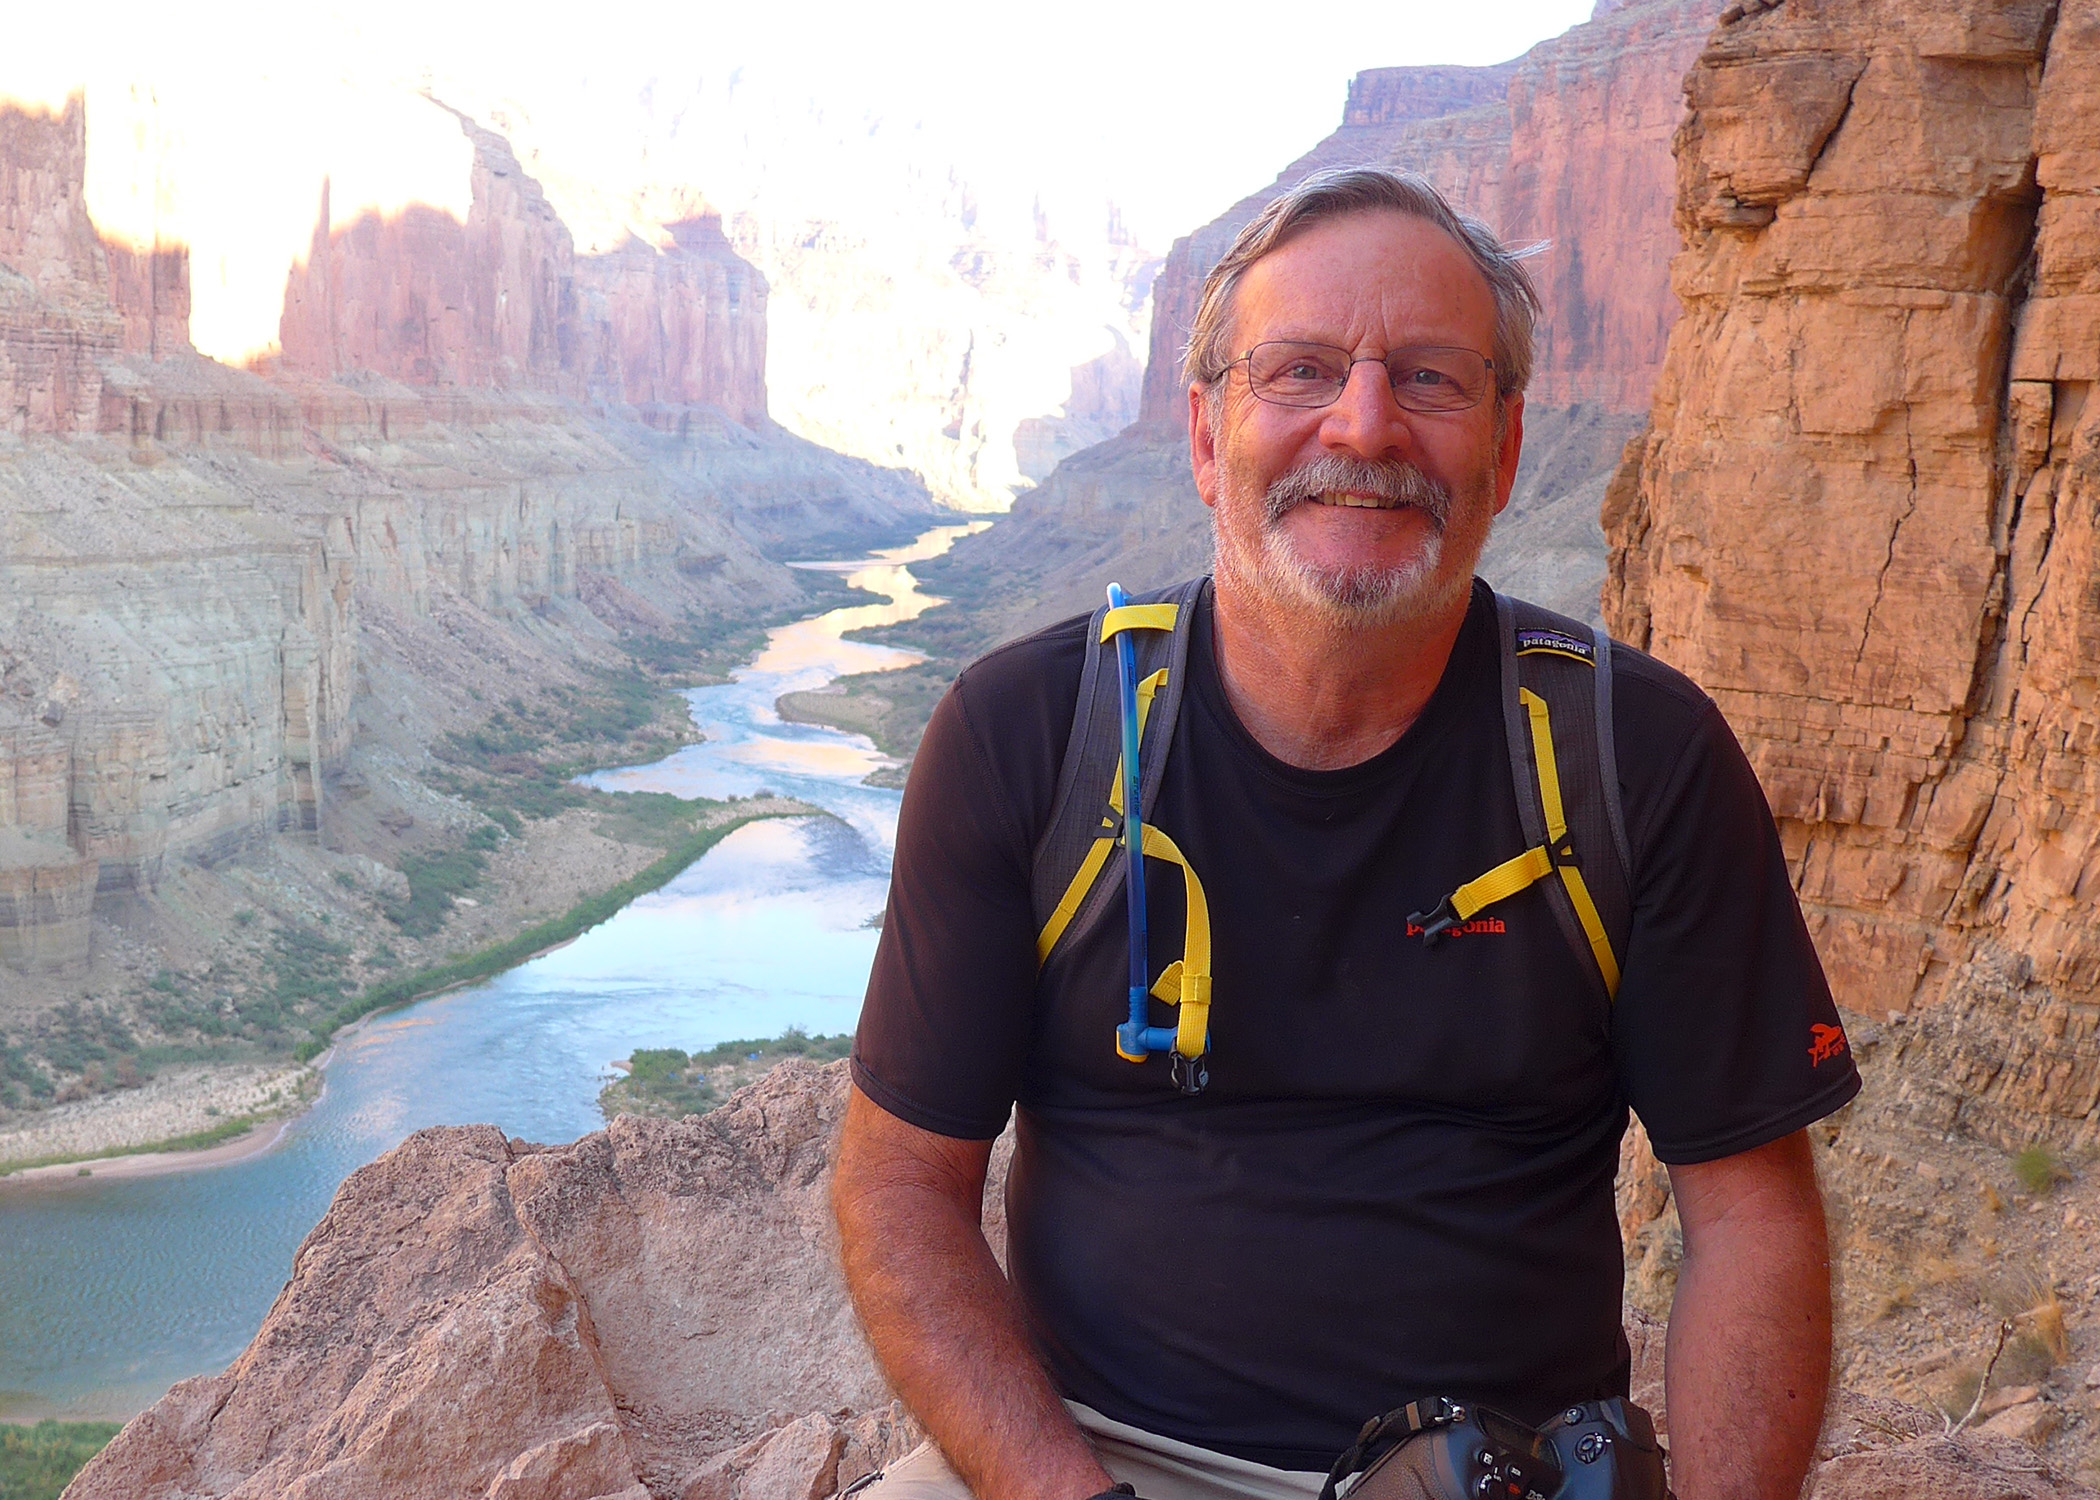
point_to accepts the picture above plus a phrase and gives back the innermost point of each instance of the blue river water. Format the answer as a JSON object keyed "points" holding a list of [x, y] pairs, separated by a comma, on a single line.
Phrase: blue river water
{"points": [[113, 1289]]}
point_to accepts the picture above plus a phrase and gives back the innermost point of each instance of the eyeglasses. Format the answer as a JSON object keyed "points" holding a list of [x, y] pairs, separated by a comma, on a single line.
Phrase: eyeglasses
{"points": [[1424, 378]]}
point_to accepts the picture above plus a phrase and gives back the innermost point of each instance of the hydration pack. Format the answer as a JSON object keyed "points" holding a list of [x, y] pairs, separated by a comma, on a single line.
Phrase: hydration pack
{"points": [[1557, 715]]}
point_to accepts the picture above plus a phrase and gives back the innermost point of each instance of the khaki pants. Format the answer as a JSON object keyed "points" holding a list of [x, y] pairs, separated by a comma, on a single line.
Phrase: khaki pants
{"points": [[1159, 1468]]}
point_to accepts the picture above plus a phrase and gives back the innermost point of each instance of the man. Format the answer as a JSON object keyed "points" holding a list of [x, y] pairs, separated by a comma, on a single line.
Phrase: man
{"points": [[1399, 1181]]}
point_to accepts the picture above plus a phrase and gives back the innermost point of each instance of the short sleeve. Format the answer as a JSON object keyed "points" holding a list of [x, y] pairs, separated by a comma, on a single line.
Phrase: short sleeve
{"points": [[944, 1031], [1724, 1028]]}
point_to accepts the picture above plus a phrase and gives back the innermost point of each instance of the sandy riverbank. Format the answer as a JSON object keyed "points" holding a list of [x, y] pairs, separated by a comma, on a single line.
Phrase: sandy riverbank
{"points": [[179, 1103]]}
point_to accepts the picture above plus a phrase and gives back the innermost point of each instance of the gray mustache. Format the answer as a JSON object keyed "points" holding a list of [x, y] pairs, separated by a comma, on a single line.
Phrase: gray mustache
{"points": [[1396, 481]]}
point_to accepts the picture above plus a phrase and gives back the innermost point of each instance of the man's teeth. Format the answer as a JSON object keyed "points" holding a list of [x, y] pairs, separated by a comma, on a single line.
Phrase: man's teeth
{"points": [[1362, 502]]}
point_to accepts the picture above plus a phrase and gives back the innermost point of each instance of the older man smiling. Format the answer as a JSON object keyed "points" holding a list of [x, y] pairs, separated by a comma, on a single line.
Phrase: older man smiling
{"points": [[1398, 1181]]}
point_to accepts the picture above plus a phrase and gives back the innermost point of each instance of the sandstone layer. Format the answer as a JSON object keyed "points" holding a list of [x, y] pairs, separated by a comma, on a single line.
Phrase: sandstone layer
{"points": [[1863, 517], [656, 1311]]}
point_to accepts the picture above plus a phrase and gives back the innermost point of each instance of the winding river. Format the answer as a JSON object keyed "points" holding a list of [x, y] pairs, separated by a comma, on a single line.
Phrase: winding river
{"points": [[112, 1290]]}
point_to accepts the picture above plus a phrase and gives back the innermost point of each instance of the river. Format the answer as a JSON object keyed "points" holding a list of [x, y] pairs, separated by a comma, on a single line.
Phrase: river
{"points": [[112, 1290]]}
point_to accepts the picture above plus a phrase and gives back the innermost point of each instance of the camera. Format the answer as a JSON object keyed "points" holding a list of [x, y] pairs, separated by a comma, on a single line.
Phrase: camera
{"points": [[1446, 1448]]}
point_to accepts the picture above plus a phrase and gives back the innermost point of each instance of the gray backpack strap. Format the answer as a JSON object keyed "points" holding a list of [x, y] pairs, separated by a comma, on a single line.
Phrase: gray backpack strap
{"points": [[1073, 880], [1566, 667], [1556, 712]]}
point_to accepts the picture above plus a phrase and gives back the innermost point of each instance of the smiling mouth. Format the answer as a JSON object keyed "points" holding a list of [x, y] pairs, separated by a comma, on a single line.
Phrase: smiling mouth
{"points": [[1357, 500]]}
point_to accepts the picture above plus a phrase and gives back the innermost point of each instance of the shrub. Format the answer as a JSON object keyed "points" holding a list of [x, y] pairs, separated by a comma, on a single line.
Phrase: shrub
{"points": [[36, 1463], [2039, 1169]]}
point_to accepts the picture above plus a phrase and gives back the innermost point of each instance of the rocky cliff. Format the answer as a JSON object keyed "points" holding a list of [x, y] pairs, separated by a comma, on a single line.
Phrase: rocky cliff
{"points": [[1569, 144], [1863, 517], [656, 1311], [504, 301]]}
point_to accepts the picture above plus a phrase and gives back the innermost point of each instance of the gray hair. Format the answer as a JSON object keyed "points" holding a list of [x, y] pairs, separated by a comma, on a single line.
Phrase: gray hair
{"points": [[1352, 190]]}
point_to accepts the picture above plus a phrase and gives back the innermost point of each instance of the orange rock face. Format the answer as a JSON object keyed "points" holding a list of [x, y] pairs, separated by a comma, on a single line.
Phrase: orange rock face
{"points": [[1570, 144], [1864, 516], [503, 301]]}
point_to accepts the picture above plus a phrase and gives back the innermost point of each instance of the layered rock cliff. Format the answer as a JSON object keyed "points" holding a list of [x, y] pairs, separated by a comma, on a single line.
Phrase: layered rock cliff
{"points": [[1862, 518], [504, 301], [1569, 144]]}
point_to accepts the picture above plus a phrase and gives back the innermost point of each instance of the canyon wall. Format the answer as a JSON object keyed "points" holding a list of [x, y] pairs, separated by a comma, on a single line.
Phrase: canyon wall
{"points": [[1569, 144], [57, 326], [1864, 517], [203, 572], [503, 301]]}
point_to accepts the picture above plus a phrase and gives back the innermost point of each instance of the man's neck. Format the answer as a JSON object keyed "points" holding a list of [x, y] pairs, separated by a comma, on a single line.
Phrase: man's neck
{"points": [[1322, 695]]}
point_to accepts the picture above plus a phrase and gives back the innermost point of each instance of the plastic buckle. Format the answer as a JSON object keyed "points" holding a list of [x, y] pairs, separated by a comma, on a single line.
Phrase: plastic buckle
{"points": [[1191, 1075], [1435, 922]]}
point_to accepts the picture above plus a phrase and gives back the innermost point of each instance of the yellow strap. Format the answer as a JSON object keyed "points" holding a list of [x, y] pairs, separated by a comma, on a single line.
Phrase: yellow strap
{"points": [[1592, 927], [1549, 774], [1139, 617], [1192, 1027], [1557, 830], [1146, 691], [1068, 904], [1502, 882]]}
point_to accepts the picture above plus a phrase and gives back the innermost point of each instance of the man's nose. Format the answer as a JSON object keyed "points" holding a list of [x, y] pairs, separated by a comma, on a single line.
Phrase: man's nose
{"points": [[1365, 419]]}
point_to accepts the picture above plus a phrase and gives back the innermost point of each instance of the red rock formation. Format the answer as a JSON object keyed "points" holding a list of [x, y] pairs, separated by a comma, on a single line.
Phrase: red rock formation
{"points": [[504, 302], [684, 326], [56, 325], [1864, 517], [151, 291], [1568, 144]]}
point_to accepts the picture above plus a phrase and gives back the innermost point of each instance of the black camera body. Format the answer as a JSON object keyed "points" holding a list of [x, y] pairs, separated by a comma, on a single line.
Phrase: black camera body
{"points": [[1442, 1448]]}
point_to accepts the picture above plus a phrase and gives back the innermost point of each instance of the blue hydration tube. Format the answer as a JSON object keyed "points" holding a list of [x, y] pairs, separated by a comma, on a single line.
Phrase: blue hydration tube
{"points": [[1135, 1039]]}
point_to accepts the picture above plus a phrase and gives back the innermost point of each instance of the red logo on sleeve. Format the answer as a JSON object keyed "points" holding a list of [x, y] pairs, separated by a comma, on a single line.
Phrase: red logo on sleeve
{"points": [[1824, 1043]]}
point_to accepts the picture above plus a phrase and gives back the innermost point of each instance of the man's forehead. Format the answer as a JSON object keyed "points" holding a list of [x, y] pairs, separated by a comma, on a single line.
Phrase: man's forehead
{"points": [[1365, 275]]}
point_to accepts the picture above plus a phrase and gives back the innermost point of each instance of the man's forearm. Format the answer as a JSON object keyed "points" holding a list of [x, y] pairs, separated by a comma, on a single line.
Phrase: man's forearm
{"points": [[943, 1320], [1748, 1359]]}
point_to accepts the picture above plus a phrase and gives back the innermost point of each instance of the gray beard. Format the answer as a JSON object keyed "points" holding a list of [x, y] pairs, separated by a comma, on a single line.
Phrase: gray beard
{"points": [[1368, 596]]}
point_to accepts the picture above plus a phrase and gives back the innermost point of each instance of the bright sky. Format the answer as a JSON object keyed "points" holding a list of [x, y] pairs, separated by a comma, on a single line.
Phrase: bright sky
{"points": [[215, 124]]}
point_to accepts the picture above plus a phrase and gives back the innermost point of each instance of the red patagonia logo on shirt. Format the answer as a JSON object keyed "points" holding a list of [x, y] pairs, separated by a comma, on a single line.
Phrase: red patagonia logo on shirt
{"points": [[1474, 928], [1824, 1043]]}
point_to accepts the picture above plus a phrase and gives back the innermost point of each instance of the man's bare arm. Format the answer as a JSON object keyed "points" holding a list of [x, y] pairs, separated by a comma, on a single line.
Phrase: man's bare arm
{"points": [[1748, 1357], [942, 1319]]}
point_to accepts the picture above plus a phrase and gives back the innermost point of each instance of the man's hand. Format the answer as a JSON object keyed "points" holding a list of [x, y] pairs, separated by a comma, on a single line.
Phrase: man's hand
{"points": [[942, 1319], [1748, 1359]]}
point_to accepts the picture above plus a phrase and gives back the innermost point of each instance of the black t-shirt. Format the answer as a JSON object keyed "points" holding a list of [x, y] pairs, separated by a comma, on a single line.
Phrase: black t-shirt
{"points": [[1399, 1181]]}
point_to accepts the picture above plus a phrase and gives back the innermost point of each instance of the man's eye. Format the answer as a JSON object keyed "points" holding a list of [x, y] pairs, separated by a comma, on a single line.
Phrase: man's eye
{"points": [[1423, 376], [1304, 370]]}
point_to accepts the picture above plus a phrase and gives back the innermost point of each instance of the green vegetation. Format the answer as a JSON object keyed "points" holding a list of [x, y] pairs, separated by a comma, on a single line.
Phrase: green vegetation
{"points": [[37, 1462], [515, 950], [667, 1083], [20, 1079], [890, 708], [436, 880], [2040, 1170]]}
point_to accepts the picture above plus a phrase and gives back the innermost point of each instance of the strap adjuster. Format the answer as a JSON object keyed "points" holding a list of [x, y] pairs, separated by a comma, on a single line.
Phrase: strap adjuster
{"points": [[1435, 922]]}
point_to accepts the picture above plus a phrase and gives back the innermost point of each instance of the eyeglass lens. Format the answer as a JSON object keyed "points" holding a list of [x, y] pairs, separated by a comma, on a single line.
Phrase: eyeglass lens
{"points": [[1424, 378]]}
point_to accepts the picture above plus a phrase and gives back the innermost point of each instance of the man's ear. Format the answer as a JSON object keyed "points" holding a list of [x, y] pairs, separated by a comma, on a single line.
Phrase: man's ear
{"points": [[1510, 450], [1203, 445]]}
